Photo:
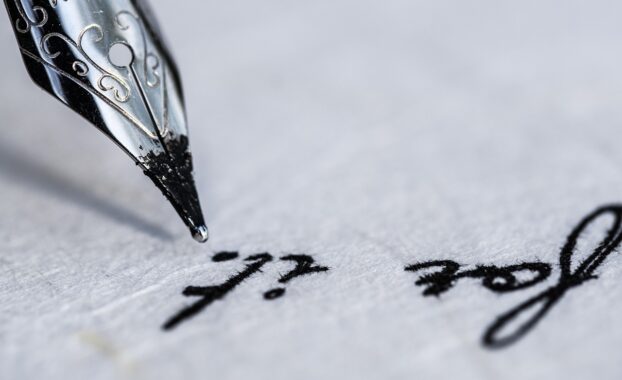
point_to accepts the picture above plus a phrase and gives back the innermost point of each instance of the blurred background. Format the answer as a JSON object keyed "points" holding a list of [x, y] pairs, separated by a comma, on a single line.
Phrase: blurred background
{"points": [[277, 90], [371, 133]]}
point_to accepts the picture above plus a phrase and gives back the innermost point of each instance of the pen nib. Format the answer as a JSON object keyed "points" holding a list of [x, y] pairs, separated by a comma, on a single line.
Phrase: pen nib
{"points": [[108, 62], [171, 171], [200, 234]]}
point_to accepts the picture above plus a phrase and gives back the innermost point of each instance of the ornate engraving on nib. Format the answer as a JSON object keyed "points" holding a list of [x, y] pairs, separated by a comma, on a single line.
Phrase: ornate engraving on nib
{"points": [[118, 86], [24, 23], [106, 60], [82, 67]]}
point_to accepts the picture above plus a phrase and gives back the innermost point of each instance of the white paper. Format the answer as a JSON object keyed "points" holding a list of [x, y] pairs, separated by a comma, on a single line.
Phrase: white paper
{"points": [[370, 135]]}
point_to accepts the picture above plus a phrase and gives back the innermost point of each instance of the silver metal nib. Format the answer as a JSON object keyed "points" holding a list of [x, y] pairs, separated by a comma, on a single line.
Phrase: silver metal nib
{"points": [[106, 60]]}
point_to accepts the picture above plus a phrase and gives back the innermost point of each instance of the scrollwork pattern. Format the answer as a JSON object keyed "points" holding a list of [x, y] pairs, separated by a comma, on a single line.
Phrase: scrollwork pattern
{"points": [[24, 23], [151, 63], [54, 3], [116, 85], [107, 81]]}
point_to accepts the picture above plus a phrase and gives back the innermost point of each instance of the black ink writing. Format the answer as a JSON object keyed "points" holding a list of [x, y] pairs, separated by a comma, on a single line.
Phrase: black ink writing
{"points": [[568, 279], [225, 256], [513, 325], [498, 279], [209, 294], [304, 265]]}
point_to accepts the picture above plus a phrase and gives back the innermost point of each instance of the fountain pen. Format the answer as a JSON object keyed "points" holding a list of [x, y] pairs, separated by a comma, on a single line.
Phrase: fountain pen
{"points": [[108, 61]]}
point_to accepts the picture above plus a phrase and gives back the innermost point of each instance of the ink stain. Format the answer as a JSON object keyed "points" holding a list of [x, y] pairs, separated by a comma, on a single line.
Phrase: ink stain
{"points": [[225, 256], [274, 294]]}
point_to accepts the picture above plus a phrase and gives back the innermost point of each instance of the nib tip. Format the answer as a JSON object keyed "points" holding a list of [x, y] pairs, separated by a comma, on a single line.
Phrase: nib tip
{"points": [[200, 234]]}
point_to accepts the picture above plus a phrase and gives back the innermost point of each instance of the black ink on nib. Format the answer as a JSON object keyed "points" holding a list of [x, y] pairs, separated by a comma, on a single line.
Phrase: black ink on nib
{"points": [[140, 107], [172, 172]]}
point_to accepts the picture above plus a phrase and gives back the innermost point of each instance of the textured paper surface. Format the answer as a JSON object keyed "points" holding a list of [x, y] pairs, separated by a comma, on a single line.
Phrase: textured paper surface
{"points": [[371, 135]]}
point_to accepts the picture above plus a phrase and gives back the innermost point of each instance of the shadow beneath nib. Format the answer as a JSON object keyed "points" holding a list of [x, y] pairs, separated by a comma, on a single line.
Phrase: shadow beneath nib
{"points": [[18, 167]]}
